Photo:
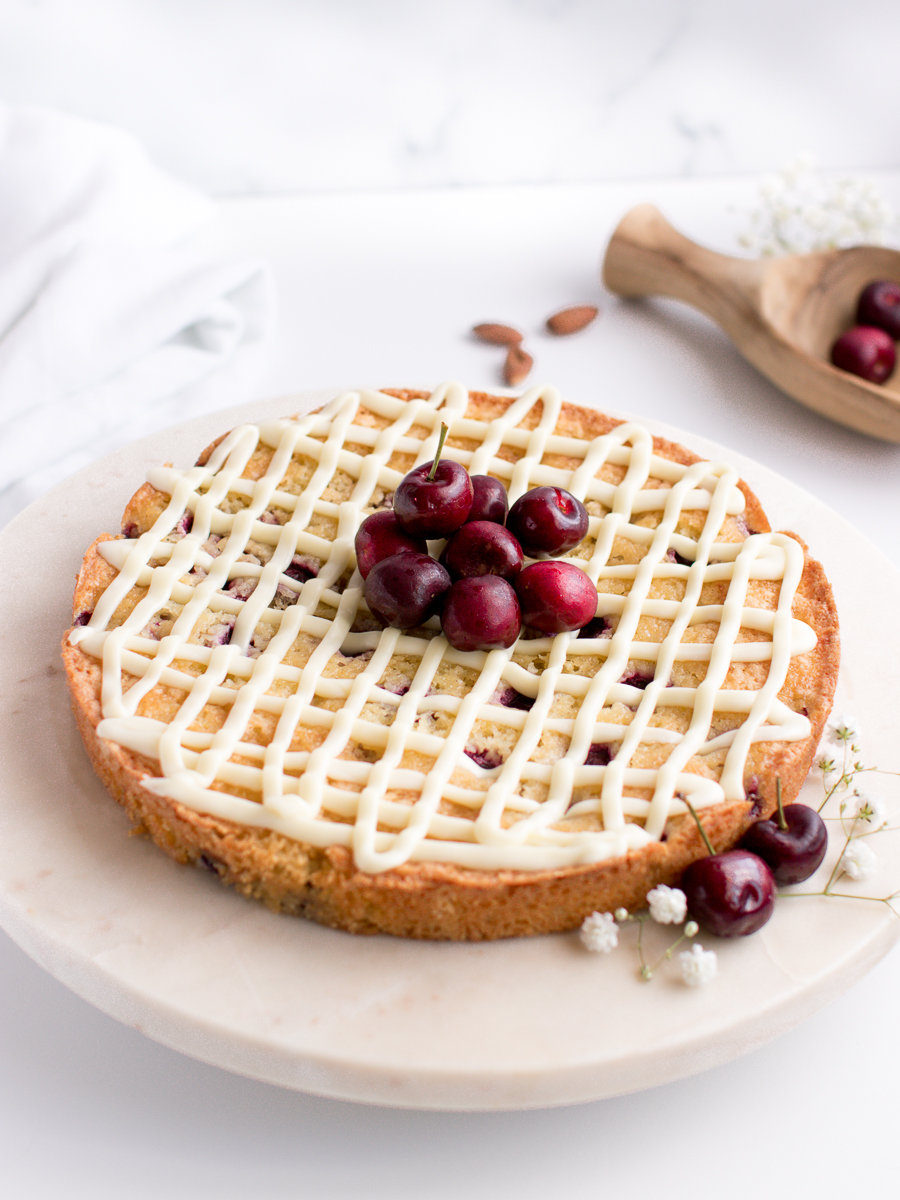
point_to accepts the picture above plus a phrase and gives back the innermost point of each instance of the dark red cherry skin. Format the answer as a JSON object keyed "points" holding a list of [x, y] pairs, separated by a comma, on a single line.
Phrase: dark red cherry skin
{"points": [[434, 508], [481, 613], [879, 305], [548, 521], [490, 501], [792, 854], [555, 597], [482, 548], [730, 894], [406, 589], [380, 536], [865, 351]]}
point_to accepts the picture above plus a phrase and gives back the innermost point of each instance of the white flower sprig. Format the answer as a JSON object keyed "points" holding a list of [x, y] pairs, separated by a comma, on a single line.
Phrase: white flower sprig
{"points": [[667, 906], [600, 933], [698, 966], [860, 815], [801, 210]]}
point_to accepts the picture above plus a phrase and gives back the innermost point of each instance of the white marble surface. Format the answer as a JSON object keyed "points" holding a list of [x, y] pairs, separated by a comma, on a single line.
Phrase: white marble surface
{"points": [[386, 1020], [321, 95], [383, 290], [342, 98]]}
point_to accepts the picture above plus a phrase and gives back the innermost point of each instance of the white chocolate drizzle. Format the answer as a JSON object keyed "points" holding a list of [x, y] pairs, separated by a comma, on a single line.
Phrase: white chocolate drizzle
{"points": [[323, 797]]}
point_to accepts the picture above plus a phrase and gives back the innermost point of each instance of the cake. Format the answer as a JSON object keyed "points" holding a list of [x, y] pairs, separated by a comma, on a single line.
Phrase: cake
{"points": [[238, 698]]}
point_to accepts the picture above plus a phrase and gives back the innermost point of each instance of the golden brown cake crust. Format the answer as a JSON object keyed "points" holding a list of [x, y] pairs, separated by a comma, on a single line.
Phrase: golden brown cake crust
{"points": [[432, 899]]}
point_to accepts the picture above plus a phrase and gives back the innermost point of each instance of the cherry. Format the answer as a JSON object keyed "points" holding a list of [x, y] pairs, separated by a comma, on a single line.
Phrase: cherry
{"points": [[406, 589], [510, 698], [490, 502], [555, 596], [482, 548], [879, 305], [380, 536], [301, 568], [548, 521], [481, 613], [865, 351], [597, 627], [730, 894], [793, 842], [434, 499]]}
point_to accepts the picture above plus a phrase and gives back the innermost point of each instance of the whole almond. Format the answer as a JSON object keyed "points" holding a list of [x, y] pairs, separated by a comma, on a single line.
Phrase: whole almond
{"points": [[518, 363], [497, 335], [572, 320]]}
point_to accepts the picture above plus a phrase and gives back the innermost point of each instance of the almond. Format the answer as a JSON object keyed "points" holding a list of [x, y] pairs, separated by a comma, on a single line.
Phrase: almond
{"points": [[498, 335], [518, 363], [572, 320]]}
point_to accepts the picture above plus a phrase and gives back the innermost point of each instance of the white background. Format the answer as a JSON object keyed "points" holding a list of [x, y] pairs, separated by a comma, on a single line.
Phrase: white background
{"points": [[410, 169]]}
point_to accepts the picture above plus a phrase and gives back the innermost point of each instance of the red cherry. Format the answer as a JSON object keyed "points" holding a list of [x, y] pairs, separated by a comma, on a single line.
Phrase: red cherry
{"points": [[490, 502], [865, 351], [482, 548], [433, 500], [406, 589], [879, 305], [380, 536], [555, 597], [481, 613], [730, 894], [794, 852], [548, 521]]}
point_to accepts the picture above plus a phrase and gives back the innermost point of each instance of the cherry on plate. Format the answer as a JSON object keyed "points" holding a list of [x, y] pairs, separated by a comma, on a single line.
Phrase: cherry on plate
{"points": [[794, 852], [380, 536], [482, 548], [490, 501], [879, 305], [730, 894], [548, 521], [555, 597], [865, 351], [481, 613], [433, 500], [406, 589]]}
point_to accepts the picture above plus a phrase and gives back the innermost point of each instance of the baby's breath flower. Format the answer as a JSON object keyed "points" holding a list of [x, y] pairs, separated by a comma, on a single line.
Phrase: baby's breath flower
{"points": [[698, 966], [858, 861], [844, 728], [869, 809], [621, 914], [691, 929], [668, 906], [599, 932], [800, 210]]}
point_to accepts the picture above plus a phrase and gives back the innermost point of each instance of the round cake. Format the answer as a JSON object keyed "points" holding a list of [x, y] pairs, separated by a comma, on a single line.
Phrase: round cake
{"points": [[238, 698]]}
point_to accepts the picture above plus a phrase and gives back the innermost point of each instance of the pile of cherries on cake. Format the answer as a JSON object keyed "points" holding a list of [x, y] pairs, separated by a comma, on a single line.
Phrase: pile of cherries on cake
{"points": [[867, 349], [479, 586]]}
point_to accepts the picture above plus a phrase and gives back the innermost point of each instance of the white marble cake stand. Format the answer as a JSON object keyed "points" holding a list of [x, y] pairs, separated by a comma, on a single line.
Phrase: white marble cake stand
{"points": [[516, 1024]]}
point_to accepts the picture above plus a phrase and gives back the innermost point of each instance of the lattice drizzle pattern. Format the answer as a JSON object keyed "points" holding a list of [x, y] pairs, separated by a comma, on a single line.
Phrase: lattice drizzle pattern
{"points": [[526, 812]]}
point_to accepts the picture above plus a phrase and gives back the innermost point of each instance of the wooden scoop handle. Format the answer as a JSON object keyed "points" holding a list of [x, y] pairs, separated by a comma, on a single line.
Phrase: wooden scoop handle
{"points": [[647, 256]]}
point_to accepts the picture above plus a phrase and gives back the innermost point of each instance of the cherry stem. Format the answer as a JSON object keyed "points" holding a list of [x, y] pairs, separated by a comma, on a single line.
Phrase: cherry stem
{"points": [[782, 823], [706, 840], [437, 457]]}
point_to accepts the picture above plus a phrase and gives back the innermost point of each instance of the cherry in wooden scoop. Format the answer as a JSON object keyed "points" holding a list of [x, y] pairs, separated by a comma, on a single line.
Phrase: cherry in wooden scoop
{"points": [[783, 314]]}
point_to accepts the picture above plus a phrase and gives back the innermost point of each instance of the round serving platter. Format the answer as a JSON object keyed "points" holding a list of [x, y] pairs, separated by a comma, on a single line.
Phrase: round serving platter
{"points": [[523, 1023]]}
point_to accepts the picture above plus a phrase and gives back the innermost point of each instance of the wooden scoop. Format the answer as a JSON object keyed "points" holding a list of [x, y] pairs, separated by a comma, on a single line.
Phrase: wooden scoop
{"points": [[783, 314]]}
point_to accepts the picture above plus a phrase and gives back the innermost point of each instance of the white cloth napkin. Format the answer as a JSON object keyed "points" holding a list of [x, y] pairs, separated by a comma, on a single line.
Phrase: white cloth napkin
{"points": [[113, 323]]}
